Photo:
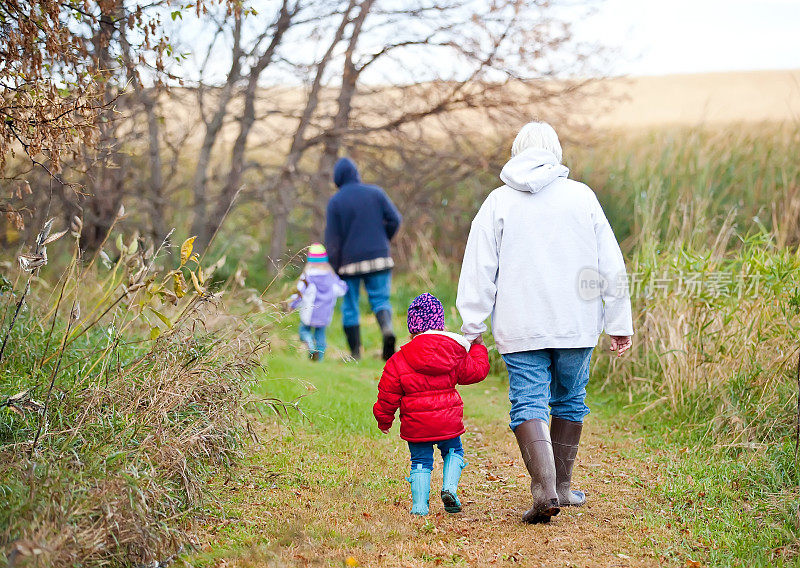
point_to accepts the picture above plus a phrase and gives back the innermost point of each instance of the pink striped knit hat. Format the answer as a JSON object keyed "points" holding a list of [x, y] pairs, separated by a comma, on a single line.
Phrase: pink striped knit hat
{"points": [[317, 253]]}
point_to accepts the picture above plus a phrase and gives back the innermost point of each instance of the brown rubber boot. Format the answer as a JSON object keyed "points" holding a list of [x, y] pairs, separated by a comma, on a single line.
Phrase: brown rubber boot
{"points": [[533, 438], [566, 436]]}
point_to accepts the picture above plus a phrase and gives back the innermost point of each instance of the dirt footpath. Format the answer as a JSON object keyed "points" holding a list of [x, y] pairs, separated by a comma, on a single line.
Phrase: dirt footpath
{"points": [[605, 532], [333, 518]]}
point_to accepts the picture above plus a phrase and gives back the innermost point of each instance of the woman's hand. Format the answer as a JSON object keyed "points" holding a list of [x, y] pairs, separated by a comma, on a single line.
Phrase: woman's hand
{"points": [[620, 344], [478, 340], [384, 431]]}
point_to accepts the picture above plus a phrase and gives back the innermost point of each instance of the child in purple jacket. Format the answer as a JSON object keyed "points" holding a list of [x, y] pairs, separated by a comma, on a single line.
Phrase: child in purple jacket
{"points": [[317, 292]]}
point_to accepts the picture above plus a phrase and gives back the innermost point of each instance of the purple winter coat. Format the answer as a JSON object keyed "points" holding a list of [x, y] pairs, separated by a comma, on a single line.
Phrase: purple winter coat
{"points": [[317, 292]]}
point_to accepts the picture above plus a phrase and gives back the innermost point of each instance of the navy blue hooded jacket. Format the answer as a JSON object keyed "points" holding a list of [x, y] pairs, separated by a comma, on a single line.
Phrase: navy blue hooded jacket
{"points": [[361, 219]]}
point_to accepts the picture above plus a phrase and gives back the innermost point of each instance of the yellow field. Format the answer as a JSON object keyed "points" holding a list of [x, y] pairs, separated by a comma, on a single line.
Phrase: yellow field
{"points": [[689, 100], [710, 99]]}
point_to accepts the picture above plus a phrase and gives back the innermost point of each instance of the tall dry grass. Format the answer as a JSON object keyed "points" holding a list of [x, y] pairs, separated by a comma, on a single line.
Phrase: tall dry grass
{"points": [[683, 184], [710, 221], [719, 336], [123, 388]]}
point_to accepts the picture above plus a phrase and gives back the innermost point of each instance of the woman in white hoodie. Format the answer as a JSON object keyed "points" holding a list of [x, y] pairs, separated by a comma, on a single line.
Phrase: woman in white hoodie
{"points": [[543, 262]]}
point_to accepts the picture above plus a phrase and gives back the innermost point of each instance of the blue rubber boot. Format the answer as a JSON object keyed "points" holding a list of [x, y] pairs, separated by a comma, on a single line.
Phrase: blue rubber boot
{"points": [[453, 464], [420, 490]]}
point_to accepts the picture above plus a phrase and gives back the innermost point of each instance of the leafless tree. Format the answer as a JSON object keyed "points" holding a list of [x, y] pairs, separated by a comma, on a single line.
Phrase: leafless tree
{"points": [[500, 51], [213, 125], [286, 13], [421, 86]]}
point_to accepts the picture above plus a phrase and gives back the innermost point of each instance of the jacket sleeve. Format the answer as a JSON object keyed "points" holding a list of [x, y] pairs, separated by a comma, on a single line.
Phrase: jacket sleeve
{"points": [[475, 366], [297, 298], [477, 285], [333, 236], [389, 394], [617, 318], [339, 287], [391, 217]]}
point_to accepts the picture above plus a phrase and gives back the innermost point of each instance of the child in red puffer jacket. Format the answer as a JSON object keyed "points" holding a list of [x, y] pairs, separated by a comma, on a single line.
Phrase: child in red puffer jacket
{"points": [[421, 380]]}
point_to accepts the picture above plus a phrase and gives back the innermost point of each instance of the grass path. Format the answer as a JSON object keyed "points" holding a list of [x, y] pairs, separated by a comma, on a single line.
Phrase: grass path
{"points": [[330, 489]]}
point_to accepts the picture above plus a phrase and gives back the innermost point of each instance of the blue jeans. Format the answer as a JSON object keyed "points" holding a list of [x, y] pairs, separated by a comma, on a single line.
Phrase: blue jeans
{"points": [[378, 285], [314, 337], [554, 377], [422, 452]]}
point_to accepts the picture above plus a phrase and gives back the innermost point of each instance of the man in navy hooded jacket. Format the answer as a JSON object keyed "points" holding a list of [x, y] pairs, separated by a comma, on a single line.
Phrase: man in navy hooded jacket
{"points": [[360, 222]]}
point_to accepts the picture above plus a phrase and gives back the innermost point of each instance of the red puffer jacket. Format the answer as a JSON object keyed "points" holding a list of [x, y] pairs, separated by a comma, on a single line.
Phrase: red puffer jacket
{"points": [[421, 380]]}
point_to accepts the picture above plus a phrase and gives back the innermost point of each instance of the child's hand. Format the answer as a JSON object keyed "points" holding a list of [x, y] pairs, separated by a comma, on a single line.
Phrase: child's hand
{"points": [[478, 340], [384, 431]]}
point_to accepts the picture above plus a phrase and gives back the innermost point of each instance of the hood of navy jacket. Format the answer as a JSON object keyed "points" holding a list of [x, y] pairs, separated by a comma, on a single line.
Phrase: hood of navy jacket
{"points": [[532, 170], [345, 171], [434, 353]]}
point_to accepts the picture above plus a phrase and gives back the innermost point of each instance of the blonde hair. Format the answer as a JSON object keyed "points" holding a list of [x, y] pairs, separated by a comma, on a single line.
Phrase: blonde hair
{"points": [[537, 135], [321, 265]]}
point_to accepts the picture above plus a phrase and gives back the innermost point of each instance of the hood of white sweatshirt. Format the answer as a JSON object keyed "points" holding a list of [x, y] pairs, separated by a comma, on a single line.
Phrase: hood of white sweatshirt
{"points": [[532, 170]]}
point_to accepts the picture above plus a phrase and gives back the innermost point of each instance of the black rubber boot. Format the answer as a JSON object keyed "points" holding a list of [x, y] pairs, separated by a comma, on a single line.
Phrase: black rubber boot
{"points": [[384, 318], [566, 435], [353, 335], [533, 438]]}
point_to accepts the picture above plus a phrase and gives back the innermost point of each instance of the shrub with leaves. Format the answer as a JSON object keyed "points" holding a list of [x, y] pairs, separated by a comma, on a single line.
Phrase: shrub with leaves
{"points": [[60, 75]]}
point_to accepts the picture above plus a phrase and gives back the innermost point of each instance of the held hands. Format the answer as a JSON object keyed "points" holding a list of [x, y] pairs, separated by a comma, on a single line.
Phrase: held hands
{"points": [[620, 344], [478, 340]]}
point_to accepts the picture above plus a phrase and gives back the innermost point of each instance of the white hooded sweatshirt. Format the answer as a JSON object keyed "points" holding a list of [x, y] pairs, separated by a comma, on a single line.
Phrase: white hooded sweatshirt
{"points": [[542, 260]]}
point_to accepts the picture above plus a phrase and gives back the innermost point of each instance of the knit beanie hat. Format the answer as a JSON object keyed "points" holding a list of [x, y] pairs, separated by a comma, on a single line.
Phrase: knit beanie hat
{"points": [[425, 313], [317, 253]]}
